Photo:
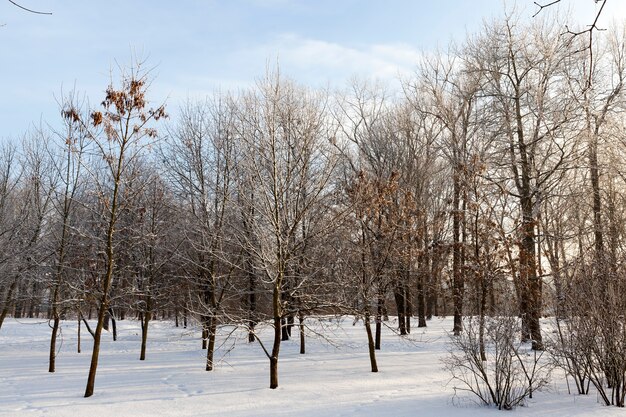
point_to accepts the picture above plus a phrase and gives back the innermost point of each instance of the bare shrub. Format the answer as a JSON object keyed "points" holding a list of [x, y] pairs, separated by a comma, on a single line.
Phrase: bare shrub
{"points": [[591, 340], [511, 371]]}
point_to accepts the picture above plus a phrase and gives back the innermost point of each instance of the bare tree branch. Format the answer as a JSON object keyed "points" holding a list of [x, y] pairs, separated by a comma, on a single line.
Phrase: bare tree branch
{"points": [[27, 9]]}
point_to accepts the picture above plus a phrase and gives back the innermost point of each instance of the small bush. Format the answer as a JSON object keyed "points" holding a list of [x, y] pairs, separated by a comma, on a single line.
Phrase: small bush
{"points": [[508, 373]]}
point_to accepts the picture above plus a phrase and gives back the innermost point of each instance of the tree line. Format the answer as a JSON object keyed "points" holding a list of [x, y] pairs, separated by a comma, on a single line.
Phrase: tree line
{"points": [[490, 185]]}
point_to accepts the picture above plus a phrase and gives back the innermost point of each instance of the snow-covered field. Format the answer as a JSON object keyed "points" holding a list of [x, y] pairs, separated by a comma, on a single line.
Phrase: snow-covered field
{"points": [[332, 379]]}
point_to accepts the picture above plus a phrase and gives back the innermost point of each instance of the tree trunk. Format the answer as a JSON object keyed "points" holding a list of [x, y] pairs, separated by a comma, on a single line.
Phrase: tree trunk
{"points": [[53, 341], [205, 331], [421, 304], [276, 307], [7, 301], [113, 324], [18, 305], [91, 332], [78, 337], [457, 255], [107, 321], [379, 324], [108, 281], [370, 342], [302, 335], [594, 174], [211, 347], [33, 302], [481, 324], [531, 283], [147, 316], [284, 333], [251, 306], [290, 324], [91, 379], [399, 296]]}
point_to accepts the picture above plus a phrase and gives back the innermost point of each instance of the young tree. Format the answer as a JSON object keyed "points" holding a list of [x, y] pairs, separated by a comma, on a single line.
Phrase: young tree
{"points": [[450, 92], [120, 132], [290, 164], [67, 168], [201, 163]]}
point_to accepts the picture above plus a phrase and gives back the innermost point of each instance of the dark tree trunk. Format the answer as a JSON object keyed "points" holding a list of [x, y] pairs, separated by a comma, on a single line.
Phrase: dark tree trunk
{"points": [[302, 335], [531, 302], [283, 329], [91, 332], [145, 322], [205, 331], [106, 288], [18, 308], [274, 355], [107, 320], [91, 380], [370, 342], [251, 306], [457, 254], [400, 298], [113, 324], [409, 307], [78, 337], [481, 313], [211, 347], [33, 301], [290, 324], [7, 301], [379, 324], [53, 343], [276, 310], [421, 302]]}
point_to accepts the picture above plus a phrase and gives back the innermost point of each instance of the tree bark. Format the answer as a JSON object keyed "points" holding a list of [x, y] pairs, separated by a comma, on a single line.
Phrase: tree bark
{"points": [[145, 322], [421, 302], [7, 301], [302, 335], [113, 324], [53, 340], [108, 280], [379, 319], [78, 337], [276, 307], [400, 298], [370, 342], [211, 347]]}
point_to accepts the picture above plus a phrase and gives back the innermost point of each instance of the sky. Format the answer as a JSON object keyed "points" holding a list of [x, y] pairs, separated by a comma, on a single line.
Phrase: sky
{"points": [[197, 47]]}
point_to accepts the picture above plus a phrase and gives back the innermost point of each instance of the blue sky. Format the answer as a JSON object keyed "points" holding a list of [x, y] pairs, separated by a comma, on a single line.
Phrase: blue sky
{"points": [[198, 47]]}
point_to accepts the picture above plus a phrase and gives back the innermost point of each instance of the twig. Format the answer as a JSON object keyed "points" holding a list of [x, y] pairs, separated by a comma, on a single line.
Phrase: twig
{"points": [[27, 9], [541, 7]]}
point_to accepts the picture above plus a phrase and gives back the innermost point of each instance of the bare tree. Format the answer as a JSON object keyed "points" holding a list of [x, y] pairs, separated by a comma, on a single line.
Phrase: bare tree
{"points": [[67, 167], [290, 164], [119, 132], [201, 160], [526, 80]]}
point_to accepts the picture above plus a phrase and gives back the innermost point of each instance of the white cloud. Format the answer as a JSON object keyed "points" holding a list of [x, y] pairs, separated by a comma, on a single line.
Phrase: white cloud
{"points": [[318, 62]]}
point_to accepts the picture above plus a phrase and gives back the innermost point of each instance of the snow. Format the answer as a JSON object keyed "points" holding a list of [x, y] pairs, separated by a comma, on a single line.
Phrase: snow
{"points": [[332, 379]]}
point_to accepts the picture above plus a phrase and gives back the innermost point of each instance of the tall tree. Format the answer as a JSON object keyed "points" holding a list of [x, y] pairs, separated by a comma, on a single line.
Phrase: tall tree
{"points": [[290, 164], [119, 132]]}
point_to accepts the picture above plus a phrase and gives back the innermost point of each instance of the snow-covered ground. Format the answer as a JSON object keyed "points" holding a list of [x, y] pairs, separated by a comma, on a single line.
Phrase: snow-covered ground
{"points": [[332, 379]]}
